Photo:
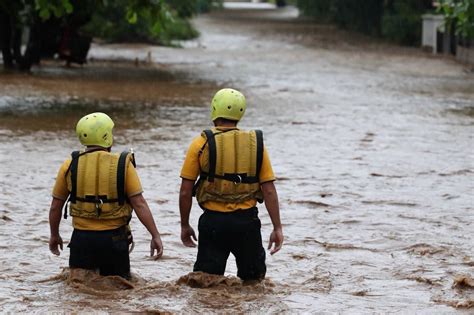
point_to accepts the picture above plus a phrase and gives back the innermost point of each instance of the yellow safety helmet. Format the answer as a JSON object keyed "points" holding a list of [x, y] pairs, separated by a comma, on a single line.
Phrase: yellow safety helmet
{"points": [[95, 129], [229, 104]]}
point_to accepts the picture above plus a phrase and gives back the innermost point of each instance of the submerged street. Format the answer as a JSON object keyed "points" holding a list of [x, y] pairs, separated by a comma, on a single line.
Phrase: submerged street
{"points": [[371, 145]]}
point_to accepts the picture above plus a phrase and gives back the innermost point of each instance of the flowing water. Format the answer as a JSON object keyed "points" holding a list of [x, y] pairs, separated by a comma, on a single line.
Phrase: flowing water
{"points": [[372, 145]]}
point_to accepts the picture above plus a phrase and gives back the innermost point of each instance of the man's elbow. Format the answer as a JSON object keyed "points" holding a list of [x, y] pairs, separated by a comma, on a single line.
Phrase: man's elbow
{"points": [[56, 205], [137, 201], [186, 190], [268, 190], [185, 193]]}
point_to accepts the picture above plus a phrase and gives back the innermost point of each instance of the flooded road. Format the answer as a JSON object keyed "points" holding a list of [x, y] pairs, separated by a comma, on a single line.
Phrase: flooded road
{"points": [[372, 146]]}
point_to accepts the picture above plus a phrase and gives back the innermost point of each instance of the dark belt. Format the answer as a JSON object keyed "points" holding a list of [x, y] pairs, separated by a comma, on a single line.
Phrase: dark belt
{"points": [[239, 212], [118, 231]]}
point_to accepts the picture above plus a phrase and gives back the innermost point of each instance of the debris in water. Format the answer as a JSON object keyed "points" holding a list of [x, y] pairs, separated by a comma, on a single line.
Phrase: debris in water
{"points": [[311, 203], [425, 280], [389, 203], [458, 172], [469, 303], [463, 282], [360, 293], [468, 261], [5, 218], [369, 137], [383, 175], [425, 249], [299, 256], [324, 195], [342, 246], [161, 201]]}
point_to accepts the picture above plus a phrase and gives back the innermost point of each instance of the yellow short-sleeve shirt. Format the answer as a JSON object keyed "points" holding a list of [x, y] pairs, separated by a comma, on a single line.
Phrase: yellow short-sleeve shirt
{"points": [[61, 191], [192, 167]]}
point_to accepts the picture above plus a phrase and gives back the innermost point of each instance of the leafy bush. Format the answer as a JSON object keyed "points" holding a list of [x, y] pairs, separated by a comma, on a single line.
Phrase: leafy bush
{"points": [[143, 23], [159, 21], [397, 20], [461, 14], [142, 26], [319, 9], [401, 21], [203, 6]]}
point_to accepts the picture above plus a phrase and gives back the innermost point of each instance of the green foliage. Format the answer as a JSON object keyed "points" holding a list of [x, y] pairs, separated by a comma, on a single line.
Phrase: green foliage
{"points": [[405, 30], [397, 20], [120, 20], [401, 21], [208, 5], [58, 8], [461, 14], [363, 16], [158, 22], [320, 10]]}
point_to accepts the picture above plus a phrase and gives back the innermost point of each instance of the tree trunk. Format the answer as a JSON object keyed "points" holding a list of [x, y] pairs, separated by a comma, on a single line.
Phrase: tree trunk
{"points": [[6, 39]]}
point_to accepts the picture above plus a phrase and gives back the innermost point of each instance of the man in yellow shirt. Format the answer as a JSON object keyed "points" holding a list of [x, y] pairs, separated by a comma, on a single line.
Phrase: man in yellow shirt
{"points": [[234, 173], [103, 190]]}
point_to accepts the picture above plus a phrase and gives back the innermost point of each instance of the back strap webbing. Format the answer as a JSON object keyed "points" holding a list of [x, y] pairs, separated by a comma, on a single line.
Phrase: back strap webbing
{"points": [[96, 199], [121, 177], [212, 154], [235, 178], [259, 136], [74, 163]]}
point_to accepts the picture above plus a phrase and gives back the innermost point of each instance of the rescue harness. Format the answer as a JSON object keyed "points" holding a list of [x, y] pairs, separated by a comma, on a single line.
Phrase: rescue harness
{"points": [[98, 200], [215, 182]]}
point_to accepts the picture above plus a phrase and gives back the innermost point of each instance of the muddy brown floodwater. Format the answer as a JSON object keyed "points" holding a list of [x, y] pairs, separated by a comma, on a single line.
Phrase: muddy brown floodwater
{"points": [[372, 145]]}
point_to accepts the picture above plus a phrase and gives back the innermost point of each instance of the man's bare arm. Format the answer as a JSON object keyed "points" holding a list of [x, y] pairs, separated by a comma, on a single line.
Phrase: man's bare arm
{"points": [[55, 239], [185, 204], [145, 216], [271, 203]]}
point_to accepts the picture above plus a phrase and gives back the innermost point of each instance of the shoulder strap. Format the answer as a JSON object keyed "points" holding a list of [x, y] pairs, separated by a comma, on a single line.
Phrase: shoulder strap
{"points": [[121, 169], [212, 154], [259, 136], [73, 166]]}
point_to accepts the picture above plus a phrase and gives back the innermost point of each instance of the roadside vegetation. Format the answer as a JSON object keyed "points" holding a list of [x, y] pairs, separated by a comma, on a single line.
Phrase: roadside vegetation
{"points": [[66, 27], [159, 23], [459, 16], [395, 20]]}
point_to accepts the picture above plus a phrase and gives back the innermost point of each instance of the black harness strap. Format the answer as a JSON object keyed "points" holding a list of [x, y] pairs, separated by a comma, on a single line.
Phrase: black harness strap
{"points": [[65, 208], [121, 177], [85, 152], [73, 168], [235, 178], [212, 154], [97, 199], [259, 135], [74, 163]]}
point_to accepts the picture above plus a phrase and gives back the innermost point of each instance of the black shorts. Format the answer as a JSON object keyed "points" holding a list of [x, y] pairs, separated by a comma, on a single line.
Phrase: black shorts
{"points": [[238, 232], [105, 251]]}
